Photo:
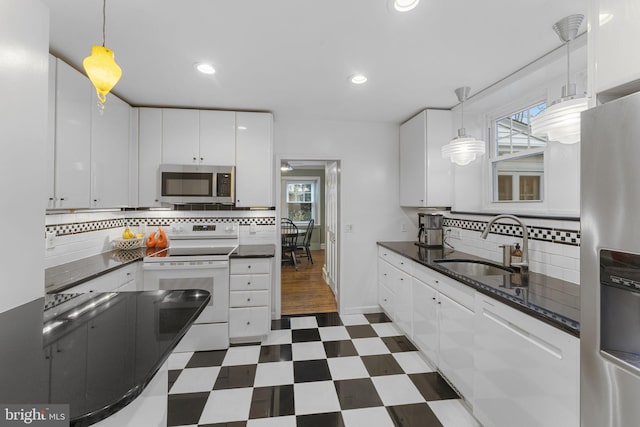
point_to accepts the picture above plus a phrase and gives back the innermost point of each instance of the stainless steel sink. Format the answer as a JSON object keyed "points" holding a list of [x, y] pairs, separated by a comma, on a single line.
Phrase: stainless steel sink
{"points": [[468, 267]]}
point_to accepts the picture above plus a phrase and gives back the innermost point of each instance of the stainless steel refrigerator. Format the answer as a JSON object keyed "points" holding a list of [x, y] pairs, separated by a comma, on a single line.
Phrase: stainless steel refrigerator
{"points": [[610, 265]]}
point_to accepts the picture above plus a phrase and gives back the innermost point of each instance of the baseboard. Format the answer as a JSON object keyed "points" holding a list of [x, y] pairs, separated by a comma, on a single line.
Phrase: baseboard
{"points": [[364, 309]]}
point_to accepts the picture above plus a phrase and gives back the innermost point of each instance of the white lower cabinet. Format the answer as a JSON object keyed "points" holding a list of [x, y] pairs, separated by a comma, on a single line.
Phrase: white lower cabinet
{"points": [[456, 344], [425, 319], [394, 290], [249, 298], [510, 367], [443, 325], [526, 372]]}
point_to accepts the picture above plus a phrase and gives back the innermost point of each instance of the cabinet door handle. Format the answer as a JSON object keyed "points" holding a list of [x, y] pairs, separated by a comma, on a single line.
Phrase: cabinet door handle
{"points": [[248, 323], [248, 283], [249, 267], [434, 298], [201, 159], [248, 299], [194, 159], [62, 199]]}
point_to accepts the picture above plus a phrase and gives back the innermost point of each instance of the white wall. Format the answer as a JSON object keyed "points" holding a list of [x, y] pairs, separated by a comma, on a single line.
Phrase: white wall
{"points": [[24, 48], [368, 195]]}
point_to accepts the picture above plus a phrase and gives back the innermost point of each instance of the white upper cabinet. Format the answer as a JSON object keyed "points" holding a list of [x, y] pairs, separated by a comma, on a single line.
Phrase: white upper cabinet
{"points": [[197, 137], [217, 137], [110, 154], [254, 159], [149, 155], [180, 138], [425, 177], [72, 138], [613, 36]]}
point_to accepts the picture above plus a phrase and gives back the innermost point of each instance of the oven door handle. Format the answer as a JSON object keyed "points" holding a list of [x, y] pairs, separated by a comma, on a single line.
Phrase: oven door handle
{"points": [[156, 266]]}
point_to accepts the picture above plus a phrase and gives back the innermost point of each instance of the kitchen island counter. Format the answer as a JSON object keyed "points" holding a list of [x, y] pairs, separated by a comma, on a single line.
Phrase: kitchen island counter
{"points": [[95, 352], [65, 276]]}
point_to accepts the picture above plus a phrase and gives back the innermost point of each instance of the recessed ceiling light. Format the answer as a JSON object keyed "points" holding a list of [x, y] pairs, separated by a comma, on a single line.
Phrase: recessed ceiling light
{"points": [[242, 128], [205, 68], [358, 79], [405, 5]]}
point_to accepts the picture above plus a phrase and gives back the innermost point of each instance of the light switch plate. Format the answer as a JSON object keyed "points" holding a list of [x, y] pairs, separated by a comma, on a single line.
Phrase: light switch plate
{"points": [[50, 240]]}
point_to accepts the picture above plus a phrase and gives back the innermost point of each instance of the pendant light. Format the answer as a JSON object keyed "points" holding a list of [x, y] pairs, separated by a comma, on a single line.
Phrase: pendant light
{"points": [[561, 121], [101, 66], [463, 149]]}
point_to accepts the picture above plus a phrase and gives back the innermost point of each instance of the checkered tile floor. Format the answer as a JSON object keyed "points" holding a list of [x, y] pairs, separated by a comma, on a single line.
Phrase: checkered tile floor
{"points": [[321, 370]]}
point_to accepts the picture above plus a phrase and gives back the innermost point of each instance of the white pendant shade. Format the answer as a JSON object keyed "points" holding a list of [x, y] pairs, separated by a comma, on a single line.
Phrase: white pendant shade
{"points": [[561, 121], [463, 150]]}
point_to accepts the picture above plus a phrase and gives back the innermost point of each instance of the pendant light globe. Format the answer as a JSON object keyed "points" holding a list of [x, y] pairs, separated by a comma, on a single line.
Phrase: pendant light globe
{"points": [[561, 121], [463, 149]]}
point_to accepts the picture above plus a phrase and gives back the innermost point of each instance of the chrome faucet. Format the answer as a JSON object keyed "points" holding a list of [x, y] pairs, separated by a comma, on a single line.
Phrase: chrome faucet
{"points": [[524, 265]]}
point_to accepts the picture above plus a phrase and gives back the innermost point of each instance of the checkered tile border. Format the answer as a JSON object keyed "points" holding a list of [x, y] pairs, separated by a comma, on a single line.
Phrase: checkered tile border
{"points": [[545, 234], [89, 226], [54, 300]]}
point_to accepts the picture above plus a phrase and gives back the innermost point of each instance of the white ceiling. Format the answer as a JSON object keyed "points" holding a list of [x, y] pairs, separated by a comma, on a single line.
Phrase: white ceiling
{"points": [[293, 57]]}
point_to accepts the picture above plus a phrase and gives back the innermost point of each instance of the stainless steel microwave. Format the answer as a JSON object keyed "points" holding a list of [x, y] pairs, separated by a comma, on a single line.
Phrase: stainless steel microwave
{"points": [[188, 184]]}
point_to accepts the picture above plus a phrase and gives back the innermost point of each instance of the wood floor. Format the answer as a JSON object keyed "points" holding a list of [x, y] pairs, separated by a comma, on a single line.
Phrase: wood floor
{"points": [[304, 291]]}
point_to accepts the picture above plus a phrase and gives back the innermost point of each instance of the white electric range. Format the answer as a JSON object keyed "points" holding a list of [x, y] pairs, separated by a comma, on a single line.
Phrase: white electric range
{"points": [[197, 258]]}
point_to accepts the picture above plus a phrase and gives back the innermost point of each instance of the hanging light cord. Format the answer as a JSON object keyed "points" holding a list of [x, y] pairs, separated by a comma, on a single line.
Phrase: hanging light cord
{"points": [[104, 20], [568, 66]]}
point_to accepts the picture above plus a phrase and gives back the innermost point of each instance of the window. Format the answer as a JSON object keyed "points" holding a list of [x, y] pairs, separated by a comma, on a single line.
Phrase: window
{"points": [[301, 199], [518, 161]]}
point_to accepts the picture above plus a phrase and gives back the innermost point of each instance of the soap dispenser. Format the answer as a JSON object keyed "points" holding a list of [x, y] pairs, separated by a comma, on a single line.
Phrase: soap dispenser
{"points": [[516, 255]]}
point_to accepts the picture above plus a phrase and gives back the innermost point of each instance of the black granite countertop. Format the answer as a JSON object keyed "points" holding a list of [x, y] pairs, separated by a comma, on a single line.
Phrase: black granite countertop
{"points": [[548, 299], [65, 276], [95, 352], [68, 275], [254, 251]]}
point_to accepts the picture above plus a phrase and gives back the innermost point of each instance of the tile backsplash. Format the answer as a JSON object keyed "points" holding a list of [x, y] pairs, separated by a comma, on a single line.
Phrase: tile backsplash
{"points": [[554, 245], [84, 234]]}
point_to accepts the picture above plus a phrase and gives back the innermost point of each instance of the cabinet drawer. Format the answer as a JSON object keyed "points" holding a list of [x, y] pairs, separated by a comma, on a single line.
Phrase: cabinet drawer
{"points": [[462, 294], [385, 299], [248, 322], [385, 272], [249, 282], [248, 298], [250, 266], [427, 275], [396, 260]]}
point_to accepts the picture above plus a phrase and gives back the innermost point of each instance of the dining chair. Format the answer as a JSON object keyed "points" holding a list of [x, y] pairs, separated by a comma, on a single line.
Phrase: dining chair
{"points": [[306, 242], [289, 232]]}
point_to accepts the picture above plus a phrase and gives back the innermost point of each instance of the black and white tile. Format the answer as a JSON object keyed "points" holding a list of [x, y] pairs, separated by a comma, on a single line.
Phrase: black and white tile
{"points": [[320, 370], [544, 234]]}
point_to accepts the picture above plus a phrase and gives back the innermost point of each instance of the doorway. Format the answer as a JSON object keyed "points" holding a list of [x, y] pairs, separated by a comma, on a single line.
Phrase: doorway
{"points": [[308, 191]]}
